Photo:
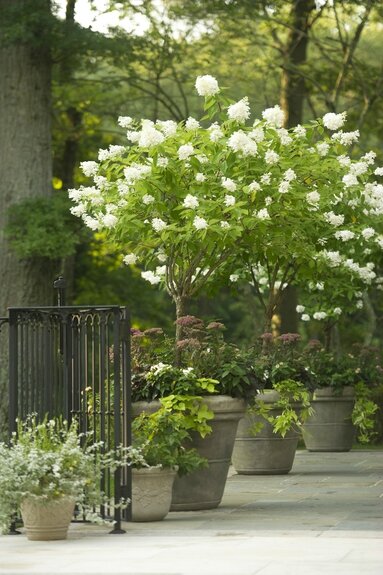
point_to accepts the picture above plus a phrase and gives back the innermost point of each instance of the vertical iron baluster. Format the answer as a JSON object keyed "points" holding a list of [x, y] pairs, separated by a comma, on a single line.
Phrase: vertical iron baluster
{"points": [[46, 366], [13, 379], [75, 367], [101, 352], [126, 387], [95, 399], [116, 419], [82, 373]]}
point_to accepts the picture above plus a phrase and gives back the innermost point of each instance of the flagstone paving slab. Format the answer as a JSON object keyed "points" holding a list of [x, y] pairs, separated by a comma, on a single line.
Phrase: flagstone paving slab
{"points": [[324, 518]]}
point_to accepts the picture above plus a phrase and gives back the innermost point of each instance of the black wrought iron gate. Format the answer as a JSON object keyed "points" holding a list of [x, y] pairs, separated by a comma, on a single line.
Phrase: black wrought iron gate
{"points": [[75, 362]]}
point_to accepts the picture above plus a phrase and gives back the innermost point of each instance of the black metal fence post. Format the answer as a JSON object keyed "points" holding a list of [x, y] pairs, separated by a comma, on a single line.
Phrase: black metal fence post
{"points": [[60, 285]]}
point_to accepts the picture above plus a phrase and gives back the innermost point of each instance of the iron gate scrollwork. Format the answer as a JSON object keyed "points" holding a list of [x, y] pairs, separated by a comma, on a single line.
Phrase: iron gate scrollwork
{"points": [[74, 362]]}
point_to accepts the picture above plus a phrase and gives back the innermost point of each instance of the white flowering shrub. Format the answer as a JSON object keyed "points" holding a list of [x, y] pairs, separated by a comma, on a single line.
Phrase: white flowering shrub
{"points": [[46, 461], [224, 197]]}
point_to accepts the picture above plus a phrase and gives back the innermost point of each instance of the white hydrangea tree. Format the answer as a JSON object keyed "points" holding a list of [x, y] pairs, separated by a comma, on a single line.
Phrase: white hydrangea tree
{"points": [[319, 216], [194, 203]]}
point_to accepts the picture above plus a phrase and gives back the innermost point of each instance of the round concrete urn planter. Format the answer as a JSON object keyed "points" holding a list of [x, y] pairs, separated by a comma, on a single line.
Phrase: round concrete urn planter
{"points": [[47, 520], [203, 489], [151, 493], [266, 453], [330, 428]]}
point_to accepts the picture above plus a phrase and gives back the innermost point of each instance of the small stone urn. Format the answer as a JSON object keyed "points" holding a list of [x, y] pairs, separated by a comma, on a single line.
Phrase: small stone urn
{"points": [[152, 493], [47, 520]]}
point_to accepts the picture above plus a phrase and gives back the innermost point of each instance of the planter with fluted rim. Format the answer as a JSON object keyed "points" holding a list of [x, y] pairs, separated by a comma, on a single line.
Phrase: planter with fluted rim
{"points": [[47, 520], [330, 428], [203, 488], [266, 453]]}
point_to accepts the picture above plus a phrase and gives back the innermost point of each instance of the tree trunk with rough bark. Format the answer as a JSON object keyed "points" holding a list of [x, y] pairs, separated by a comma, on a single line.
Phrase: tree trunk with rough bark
{"points": [[180, 302], [25, 165], [293, 93]]}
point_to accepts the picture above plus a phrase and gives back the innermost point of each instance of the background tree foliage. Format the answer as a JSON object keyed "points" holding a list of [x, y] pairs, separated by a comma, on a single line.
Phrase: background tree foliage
{"points": [[309, 56]]}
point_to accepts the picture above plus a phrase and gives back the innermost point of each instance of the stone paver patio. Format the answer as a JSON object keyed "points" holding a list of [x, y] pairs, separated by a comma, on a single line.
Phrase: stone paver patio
{"points": [[324, 518]]}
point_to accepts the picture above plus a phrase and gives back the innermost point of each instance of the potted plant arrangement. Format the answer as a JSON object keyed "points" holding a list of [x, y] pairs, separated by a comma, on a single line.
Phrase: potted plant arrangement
{"points": [[217, 374], [268, 435], [342, 398], [158, 453], [46, 471], [205, 202]]}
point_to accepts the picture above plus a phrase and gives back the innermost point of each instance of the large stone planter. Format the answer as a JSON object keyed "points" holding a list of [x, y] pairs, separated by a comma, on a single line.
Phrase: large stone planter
{"points": [[147, 406], [266, 453], [330, 428], [151, 493], [203, 489], [47, 520]]}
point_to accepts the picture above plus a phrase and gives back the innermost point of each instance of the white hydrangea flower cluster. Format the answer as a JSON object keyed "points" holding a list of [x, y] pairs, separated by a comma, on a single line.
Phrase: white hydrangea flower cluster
{"points": [[191, 202], [313, 198], [89, 168], [150, 137], [151, 277], [229, 184], [200, 223], [345, 235], [346, 138], [241, 142], [240, 112], [333, 219], [320, 315], [333, 121], [274, 116], [111, 152], [130, 259], [206, 85]]}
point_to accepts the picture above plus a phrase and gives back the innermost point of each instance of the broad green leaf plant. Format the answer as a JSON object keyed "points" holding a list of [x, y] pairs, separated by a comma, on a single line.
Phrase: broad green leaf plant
{"points": [[224, 199]]}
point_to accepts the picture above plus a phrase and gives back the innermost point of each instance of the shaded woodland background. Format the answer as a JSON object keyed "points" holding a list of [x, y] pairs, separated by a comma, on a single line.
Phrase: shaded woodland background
{"points": [[63, 87]]}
